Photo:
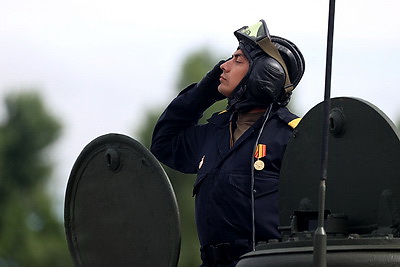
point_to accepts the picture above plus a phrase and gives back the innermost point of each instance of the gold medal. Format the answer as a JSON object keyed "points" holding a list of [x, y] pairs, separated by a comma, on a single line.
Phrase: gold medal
{"points": [[259, 165], [261, 151]]}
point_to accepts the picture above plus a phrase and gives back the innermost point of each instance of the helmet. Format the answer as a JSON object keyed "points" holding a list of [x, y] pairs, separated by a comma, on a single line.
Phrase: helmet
{"points": [[276, 67], [292, 57]]}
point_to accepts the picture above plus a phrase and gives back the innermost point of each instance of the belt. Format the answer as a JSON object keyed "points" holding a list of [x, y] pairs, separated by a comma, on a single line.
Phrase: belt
{"points": [[224, 253]]}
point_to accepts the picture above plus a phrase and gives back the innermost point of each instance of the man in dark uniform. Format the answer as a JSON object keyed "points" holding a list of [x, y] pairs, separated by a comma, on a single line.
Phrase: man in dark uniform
{"points": [[237, 155]]}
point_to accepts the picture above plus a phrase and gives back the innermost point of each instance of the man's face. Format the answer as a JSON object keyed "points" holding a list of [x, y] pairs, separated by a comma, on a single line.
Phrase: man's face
{"points": [[233, 71]]}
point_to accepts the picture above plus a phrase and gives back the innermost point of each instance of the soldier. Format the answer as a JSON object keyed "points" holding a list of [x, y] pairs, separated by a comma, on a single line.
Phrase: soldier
{"points": [[237, 155]]}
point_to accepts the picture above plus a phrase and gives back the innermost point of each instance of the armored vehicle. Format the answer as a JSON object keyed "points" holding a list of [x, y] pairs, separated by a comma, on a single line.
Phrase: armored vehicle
{"points": [[120, 208]]}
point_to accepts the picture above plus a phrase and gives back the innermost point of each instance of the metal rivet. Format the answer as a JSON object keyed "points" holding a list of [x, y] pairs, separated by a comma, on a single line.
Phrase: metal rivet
{"points": [[112, 159], [337, 122]]}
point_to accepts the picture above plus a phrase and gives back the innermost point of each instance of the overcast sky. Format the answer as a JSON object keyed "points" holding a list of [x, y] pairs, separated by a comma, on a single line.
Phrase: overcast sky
{"points": [[101, 65]]}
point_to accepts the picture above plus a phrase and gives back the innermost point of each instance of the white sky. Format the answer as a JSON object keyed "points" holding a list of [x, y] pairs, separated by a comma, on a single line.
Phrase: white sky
{"points": [[101, 65]]}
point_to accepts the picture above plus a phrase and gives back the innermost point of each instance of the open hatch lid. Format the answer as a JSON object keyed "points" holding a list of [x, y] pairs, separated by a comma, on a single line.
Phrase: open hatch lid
{"points": [[120, 208]]}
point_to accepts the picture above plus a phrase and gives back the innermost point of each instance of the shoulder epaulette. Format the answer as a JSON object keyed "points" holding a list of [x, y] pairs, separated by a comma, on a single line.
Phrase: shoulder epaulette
{"points": [[294, 123]]}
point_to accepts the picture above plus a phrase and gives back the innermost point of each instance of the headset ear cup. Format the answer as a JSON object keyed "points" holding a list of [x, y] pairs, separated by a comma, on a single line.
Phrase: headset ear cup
{"points": [[293, 58], [266, 81]]}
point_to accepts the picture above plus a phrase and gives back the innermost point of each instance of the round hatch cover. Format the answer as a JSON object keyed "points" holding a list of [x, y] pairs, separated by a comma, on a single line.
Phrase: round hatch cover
{"points": [[363, 166], [120, 208]]}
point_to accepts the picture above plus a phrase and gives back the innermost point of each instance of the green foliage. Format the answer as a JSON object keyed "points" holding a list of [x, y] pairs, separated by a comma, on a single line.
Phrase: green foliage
{"points": [[30, 234], [193, 68]]}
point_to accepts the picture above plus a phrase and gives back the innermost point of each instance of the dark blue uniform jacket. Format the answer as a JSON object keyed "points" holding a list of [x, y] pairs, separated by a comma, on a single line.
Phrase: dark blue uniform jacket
{"points": [[223, 185]]}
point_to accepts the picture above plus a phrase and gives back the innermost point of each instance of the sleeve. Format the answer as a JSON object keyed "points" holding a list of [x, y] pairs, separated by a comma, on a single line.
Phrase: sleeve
{"points": [[177, 136]]}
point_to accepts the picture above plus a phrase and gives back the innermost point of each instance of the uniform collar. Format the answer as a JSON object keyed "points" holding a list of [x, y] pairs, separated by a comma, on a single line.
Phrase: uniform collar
{"points": [[221, 118]]}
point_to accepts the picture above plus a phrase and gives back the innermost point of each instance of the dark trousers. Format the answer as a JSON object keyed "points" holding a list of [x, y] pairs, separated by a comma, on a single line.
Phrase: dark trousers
{"points": [[224, 254]]}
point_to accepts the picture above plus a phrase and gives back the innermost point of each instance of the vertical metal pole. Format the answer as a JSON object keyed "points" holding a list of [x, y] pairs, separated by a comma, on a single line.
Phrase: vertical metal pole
{"points": [[320, 238]]}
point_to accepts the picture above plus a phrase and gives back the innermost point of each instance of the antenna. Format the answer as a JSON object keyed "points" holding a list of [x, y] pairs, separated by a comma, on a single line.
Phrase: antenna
{"points": [[320, 237]]}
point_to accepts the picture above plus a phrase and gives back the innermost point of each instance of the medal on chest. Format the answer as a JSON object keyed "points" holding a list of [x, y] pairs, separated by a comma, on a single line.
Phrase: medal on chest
{"points": [[261, 151]]}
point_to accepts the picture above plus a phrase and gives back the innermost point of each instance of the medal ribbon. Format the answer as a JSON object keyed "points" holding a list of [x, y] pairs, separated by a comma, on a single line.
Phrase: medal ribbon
{"points": [[261, 151]]}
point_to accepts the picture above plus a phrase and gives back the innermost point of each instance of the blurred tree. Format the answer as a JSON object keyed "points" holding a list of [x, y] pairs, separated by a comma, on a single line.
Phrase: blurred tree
{"points": [[30, 233], [194, 67]]}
